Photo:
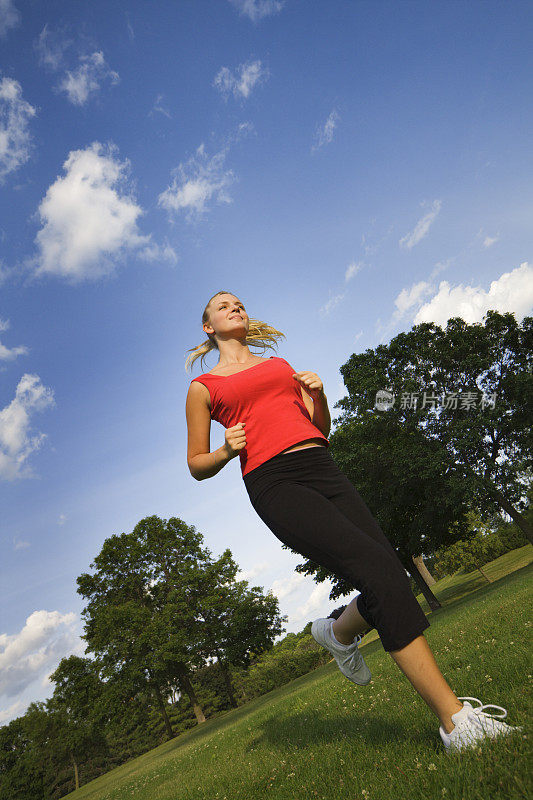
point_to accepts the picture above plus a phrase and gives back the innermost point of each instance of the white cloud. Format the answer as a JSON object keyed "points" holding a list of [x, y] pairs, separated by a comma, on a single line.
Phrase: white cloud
{"points": [[16, 709], [30, 655], [352, 270], [440, 266], [243, 130], [196, 182], [332, 302], [513, 291], [7, 354], [282, 587], [157, 252], [324, 133], [159, 107], [51, 47], [89, 219], [411, 297], [240, 83], [85, 81], [9, 17], [248, 574], [15, 140], [488, 241], [315, 603], [257, 9], [45, 680], [6, 272], [16, 441], [421, 228], [85, 74]]}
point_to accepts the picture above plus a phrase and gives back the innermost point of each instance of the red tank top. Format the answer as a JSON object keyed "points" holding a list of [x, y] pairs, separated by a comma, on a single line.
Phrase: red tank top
{"points": [[269, 400]]}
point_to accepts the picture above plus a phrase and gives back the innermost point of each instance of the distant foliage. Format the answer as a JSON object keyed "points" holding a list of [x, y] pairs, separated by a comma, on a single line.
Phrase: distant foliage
{"points": [[295, 655], [484, 546]]}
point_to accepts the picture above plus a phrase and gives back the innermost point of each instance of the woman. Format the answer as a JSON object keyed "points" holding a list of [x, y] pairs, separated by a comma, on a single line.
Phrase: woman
{"points": [[277, 422]]}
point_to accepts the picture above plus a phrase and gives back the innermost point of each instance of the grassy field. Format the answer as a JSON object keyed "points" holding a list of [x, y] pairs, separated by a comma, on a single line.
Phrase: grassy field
{"points": [[322, 736]]}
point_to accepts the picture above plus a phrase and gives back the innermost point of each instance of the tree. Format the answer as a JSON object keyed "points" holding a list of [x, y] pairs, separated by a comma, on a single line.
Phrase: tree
{"points": [[160, 606], [52, 751], [21, 773], [77, 704], [140, 619], [489, 438], [470, 555], [237, 622]]}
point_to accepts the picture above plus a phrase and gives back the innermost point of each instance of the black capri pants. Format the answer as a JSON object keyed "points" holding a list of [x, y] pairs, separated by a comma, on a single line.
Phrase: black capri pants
{"points": [[310, 505]]}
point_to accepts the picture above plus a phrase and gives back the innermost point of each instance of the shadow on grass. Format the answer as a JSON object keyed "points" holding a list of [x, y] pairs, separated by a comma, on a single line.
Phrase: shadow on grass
{"points": [[304, 729], [234, 715], [478, 594]]}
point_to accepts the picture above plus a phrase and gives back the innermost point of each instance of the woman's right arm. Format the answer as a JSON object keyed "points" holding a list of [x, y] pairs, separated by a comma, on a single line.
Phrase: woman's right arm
{"points": [[201, 462]]}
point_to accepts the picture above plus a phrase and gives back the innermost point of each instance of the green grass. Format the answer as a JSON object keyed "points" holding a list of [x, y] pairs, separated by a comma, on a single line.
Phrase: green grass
{"points": [[322, 736]]}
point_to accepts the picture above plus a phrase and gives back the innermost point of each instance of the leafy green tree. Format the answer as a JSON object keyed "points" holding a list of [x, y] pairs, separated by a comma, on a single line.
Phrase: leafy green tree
{"points": [[470, 555], [485, 545], [468, 387], [50, 748], [140, 618], [80, 714], [237, 622], [294, 655], [21, 773], [160, 606]]}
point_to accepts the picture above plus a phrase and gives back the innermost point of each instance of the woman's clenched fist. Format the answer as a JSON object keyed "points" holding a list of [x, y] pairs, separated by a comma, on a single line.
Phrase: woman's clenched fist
{"points": [[235, 439]]}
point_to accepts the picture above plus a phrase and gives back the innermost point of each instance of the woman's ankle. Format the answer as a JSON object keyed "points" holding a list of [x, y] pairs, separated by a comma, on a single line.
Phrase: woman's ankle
{"points": [[340, 637], [447, 722]]}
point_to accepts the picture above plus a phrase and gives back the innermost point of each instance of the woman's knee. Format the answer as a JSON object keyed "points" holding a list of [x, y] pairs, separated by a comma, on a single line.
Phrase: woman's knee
{"points": [[381, 582]]}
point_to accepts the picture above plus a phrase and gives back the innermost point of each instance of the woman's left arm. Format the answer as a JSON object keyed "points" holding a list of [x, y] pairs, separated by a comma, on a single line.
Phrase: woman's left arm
{"points": [[311, 383]]}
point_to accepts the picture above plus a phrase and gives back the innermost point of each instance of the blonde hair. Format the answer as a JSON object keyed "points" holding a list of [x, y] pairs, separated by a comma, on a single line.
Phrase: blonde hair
{"points": [[259, 334]]}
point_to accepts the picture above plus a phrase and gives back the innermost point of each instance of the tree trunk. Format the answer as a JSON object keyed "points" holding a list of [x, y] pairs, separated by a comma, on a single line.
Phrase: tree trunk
{"points": [[227, 681], [432, 601], [163, 710], [484, 574], [187, 687], [76, 776], [516, 516], [423, 570]]}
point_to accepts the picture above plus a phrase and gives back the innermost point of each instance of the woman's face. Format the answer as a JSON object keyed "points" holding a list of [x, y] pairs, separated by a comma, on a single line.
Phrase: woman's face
{"points": [[227, 315]]}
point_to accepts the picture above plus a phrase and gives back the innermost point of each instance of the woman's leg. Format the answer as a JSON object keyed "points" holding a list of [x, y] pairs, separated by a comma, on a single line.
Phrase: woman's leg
{"points": [[350, 623], [314, 526], [418, 664], [415, 660]]}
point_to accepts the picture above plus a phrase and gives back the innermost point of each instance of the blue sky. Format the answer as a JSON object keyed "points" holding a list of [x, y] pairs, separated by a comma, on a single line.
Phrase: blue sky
{"points": [[348, 169]]}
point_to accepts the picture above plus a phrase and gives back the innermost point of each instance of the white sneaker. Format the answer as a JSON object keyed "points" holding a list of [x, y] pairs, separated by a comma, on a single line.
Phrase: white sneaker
{"points": [[472, 724], [347, 656]]}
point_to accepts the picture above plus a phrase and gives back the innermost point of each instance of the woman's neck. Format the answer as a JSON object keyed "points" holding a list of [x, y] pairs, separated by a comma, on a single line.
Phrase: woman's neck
{"points": [[233, 353]]}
